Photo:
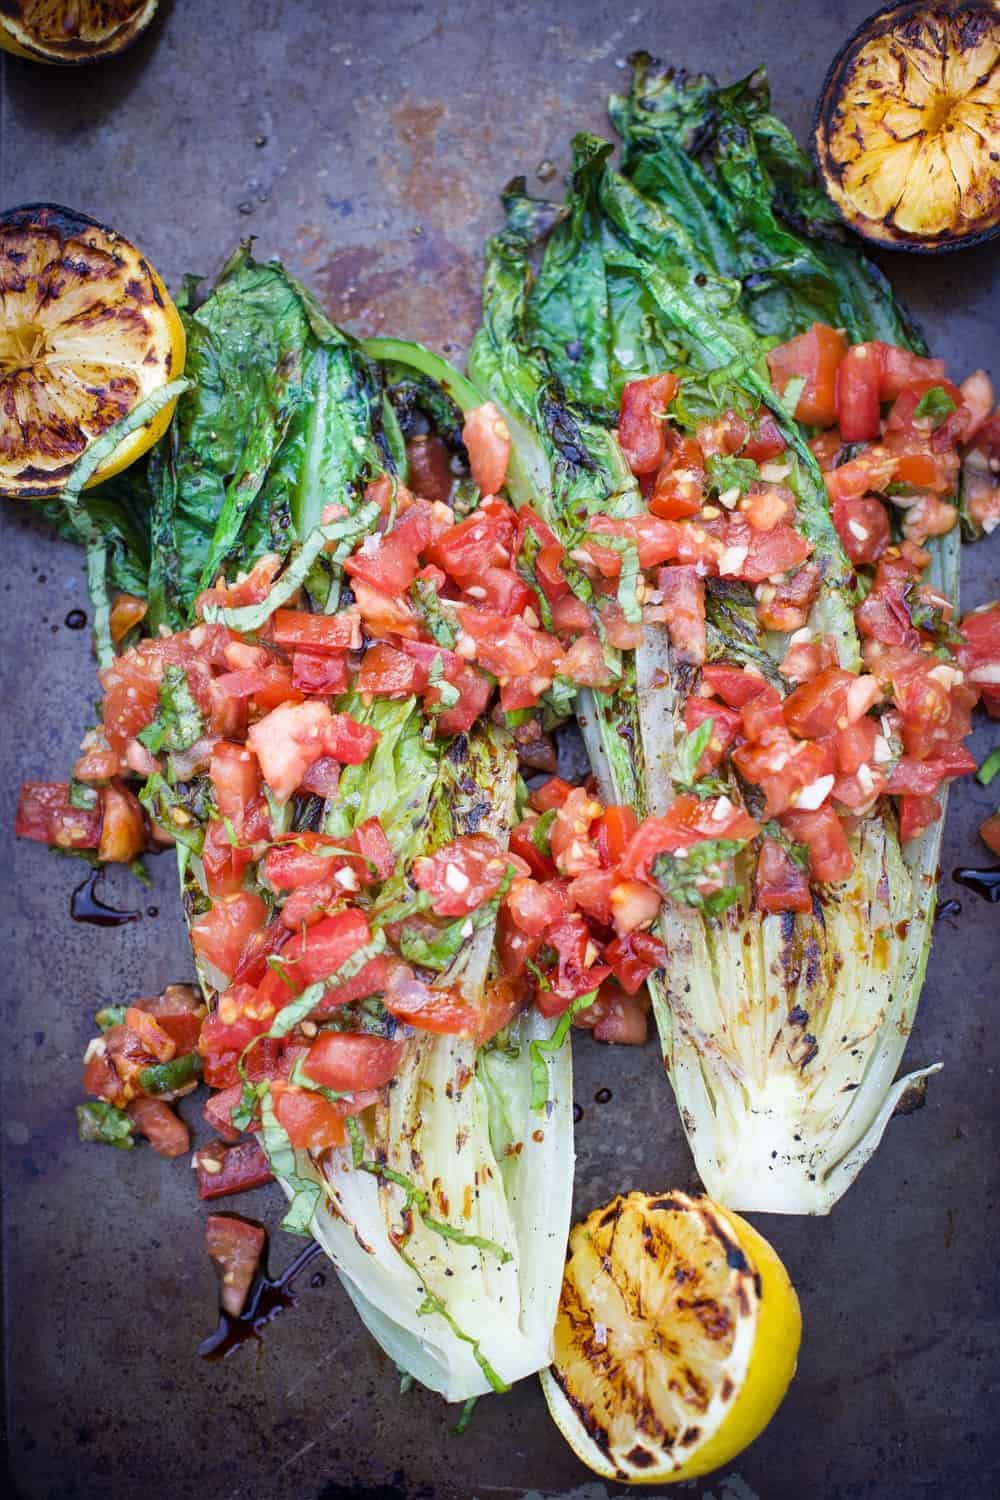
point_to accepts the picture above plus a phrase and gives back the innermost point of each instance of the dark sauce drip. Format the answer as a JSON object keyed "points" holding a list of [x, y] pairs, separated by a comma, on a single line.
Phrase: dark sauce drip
{"points": [[75, 620], [268, 1297], [577, 1113], [950, 908], [603, 1096], [86, 906], [985, 883]]}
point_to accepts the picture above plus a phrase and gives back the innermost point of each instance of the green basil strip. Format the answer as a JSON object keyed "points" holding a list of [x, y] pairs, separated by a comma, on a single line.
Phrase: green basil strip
{"points": [[102, 1122], [346, 530], [281, 1155], [168, 1077], [689, 752], [538, 1051], [989, 768]]}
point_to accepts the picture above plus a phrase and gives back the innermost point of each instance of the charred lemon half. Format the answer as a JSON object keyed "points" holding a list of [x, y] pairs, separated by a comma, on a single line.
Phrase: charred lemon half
{"points": [[677, 1335], [72, 31], [907, 132], [87, 331]]}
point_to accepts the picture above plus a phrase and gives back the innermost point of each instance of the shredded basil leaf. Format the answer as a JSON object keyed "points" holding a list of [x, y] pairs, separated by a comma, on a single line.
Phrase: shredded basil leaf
{"points": [[689, 752], [538, 1051], [102, 1122], [989, 768], [178, 724], [681, 876], [168, 1077], [725, 473], [279, 1152], [935, 404]]}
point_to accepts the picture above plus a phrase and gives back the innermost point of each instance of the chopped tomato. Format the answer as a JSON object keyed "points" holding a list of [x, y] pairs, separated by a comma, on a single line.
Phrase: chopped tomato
{"points": [[569, 837], [683, 591], [223, 1170], [131, 687], [433, 1008], [466, 550], [218, 1112], [922, 777], [768, 505], [859, 376], [575, 972], [591, 893], [221, 934], [462, 874], [900, 368], [726, 434], [235, 778], [679, 489], [633, 957], [521, 844], [299, 859], [584, 663], [916, 814], [502, 1000], [287, 741], [311, 1122], [863, 527], [614, 829], [641, 421], [736, 686], [487, 438], [726, 725], [318, 675], [688, 821], [989, 832], [772, 552], [551, 793], [817, 707], [785, 606], [326, 947], [884, 617], [822, 833], [348, 741], [784, 768], [533, 906], [44, 813], [779, 883], [872, 469], [633, 905], [123, 825], [814, 356], [765, 440], [223, 863], [623, 1019], [179, 1012], [235, 1248], [294, 629], [386, 562], [348, 1061], [162, 1126], [429, 465], [979, 657], [322, 778], [126, 612]]}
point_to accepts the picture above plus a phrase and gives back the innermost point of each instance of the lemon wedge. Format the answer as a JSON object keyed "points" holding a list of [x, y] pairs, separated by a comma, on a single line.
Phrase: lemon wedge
{"points": [[72, 31], [677, 1336], [87, 331]]}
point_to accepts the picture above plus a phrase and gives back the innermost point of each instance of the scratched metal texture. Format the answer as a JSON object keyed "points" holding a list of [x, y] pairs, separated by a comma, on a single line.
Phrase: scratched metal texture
{"points": [[365, 144]]}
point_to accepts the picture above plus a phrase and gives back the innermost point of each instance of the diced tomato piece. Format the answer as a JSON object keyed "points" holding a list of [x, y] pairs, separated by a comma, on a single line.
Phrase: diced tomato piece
{"points": [[734, 685], [572, 847], [369, 980], [785, 606], [268, 687], [318, 675], [816, 357], [322, 778], [389, 673], [178, 1011], [294, 629], [223, 864], [235, 1248], [348, 1061], [348, 741], [298, 860], [624, 1020], [615, 827], [235, 777], [772, 552], [162, 1126], [642, 421], [503, 999], [871, 470], [223, 1170], [979, 657], [765, 440], [816, 708], [521, 844], [859, 376], [923, 777], [726, 434], [863, 527], [311, 1122], [783, 768], [633, 905], [633, 957], [287, 741], [487, 439], [375, 850], [433, 1008], [584, 663], [768, 505], [474, 693], [884, 617], [131, 687], [762, 714], [44, 813], [387, 563], [218, 1112], [688, 821], [822, 833], [591, 893], [466, 551], [900, 368], [679, 489], [220, 935], [916, 814], [726, 725], [320, 952], [576, 973], [854, 746], [429, 465], [551, 793], [533, 907], [683, 590], [462, 874], [779, 883], [989, 832]]}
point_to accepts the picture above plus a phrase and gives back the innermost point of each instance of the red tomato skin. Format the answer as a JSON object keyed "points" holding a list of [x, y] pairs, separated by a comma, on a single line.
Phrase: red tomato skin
{"points": [[733, 685], [44, 813], [822, 832], [765, 441], [389, 673], [235, 779], [641, 426], [311, 1122], [487, 439], [163, 1128], [317, 675], [322, 634], [429, 464], [916, 814], [625, 1018], [616, 826], [348, 1061], [726, 725], [858, 379], [863, 528], [679, 487], [461, 875], [989, 832], [551, 794], [633, 958], [222, 933], [239, 1169], [815, 355], [321, 951], [683, 590], [779, 883], [235, 1247]]}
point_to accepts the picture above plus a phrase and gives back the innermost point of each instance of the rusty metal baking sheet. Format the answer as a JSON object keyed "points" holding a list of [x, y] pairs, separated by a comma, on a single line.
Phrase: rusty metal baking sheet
{"points": [[365, 143]]}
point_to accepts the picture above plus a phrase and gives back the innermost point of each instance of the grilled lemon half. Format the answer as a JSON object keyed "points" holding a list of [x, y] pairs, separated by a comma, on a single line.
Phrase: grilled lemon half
{"points": [[72, 31], [87, 330], [907, 135], [677, 1335]]}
